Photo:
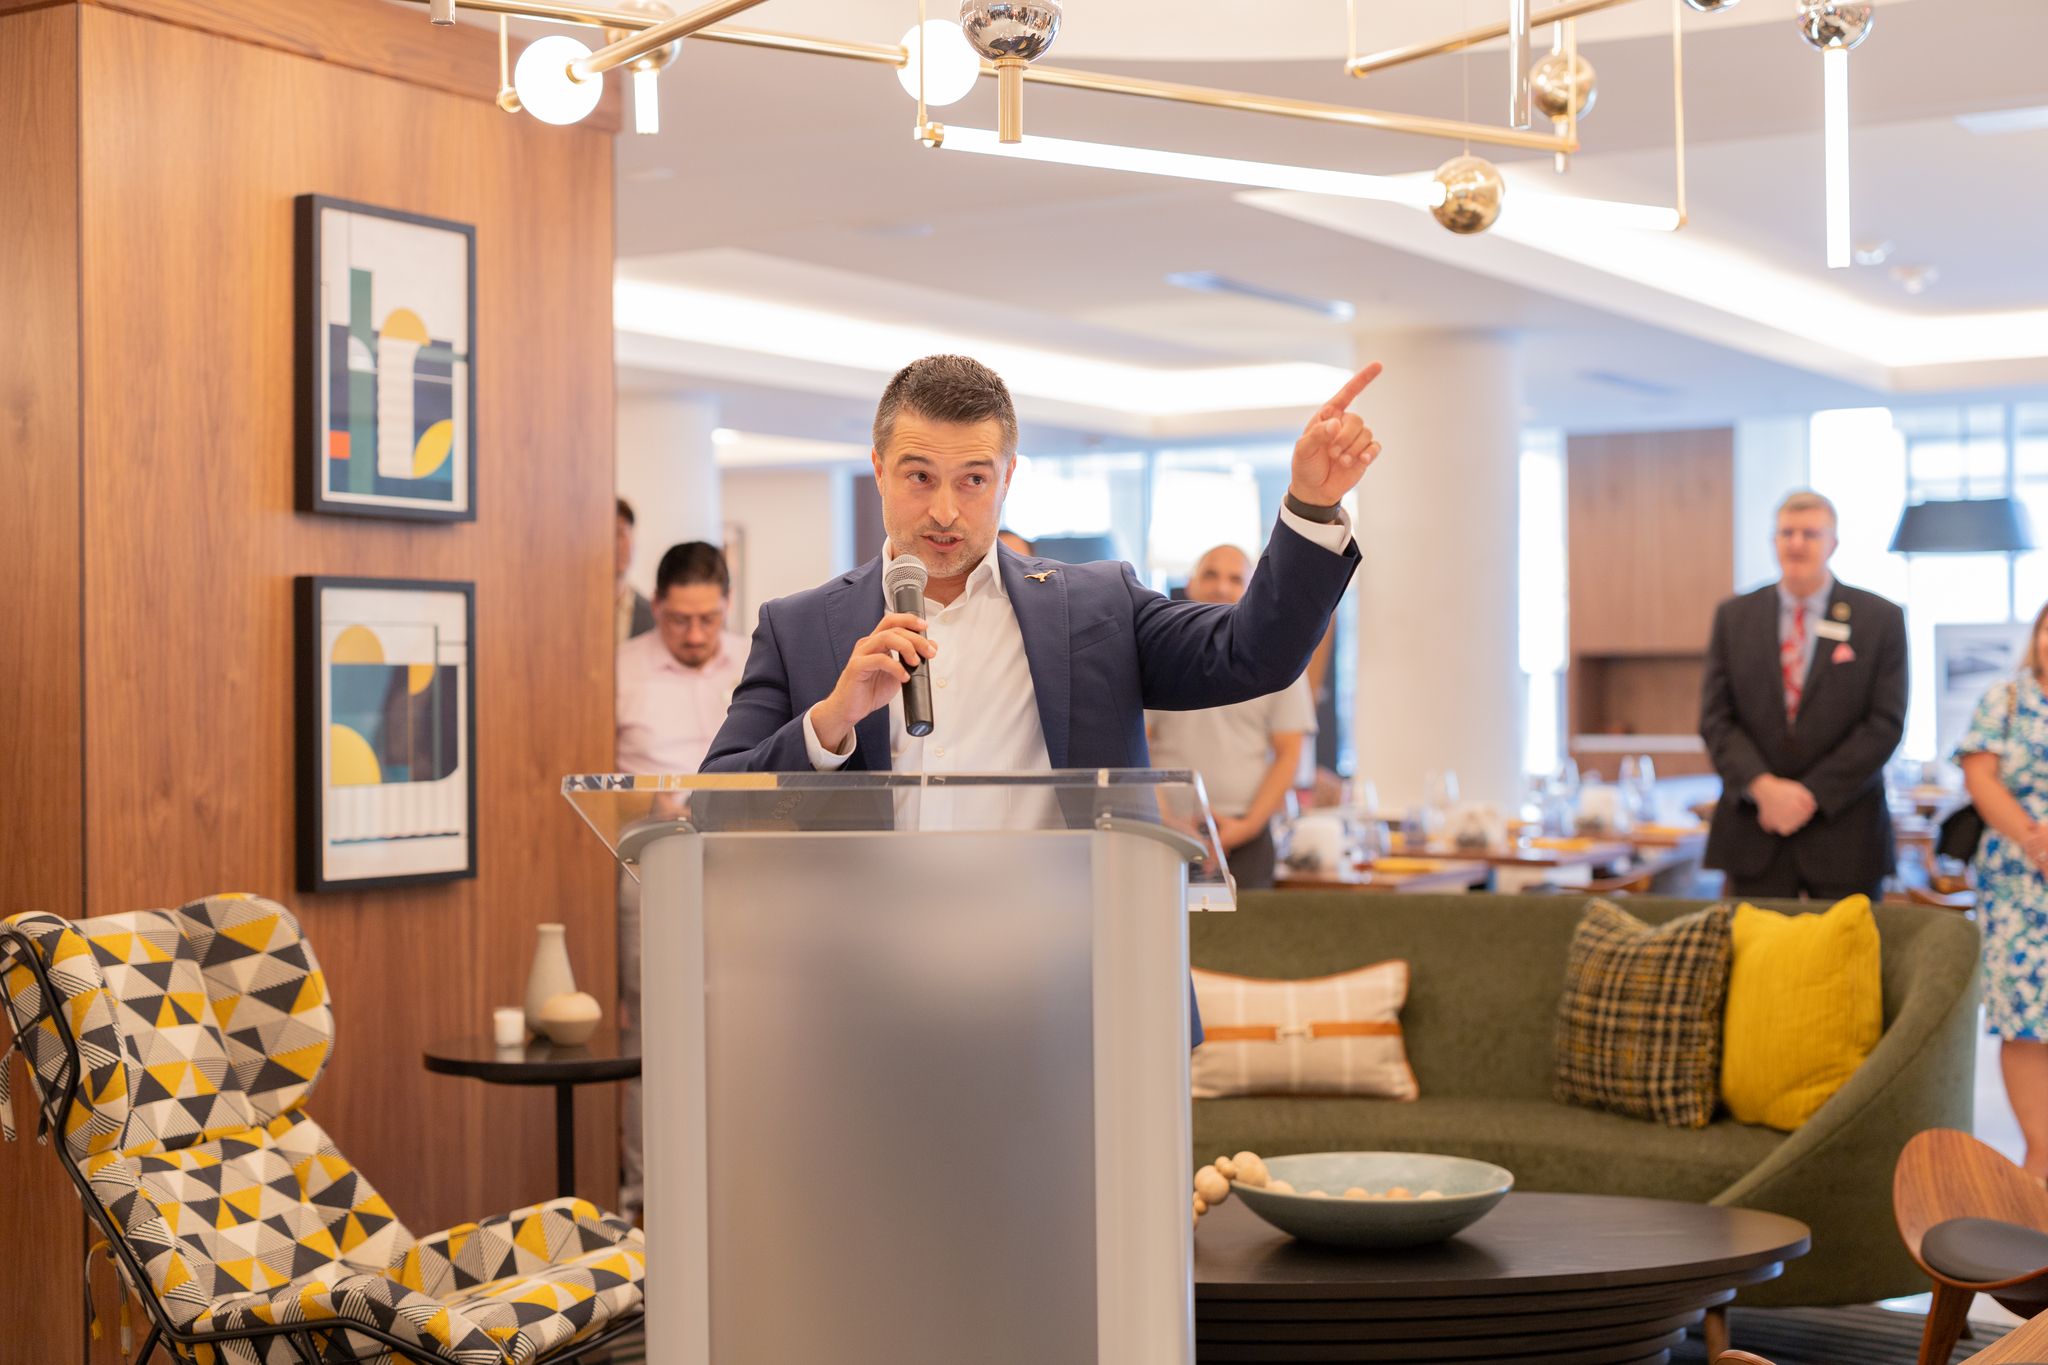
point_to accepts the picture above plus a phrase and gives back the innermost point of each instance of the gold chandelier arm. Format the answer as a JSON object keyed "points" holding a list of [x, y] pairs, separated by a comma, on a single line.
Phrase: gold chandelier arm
{"points": [[884, 54], [1458, 42], [1678, 100], [1245, 102], [658, 36]]}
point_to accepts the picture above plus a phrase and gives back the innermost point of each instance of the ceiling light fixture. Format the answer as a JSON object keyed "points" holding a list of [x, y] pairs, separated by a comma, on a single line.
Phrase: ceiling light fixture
{"points": [[561, 80], [548, 87], [1835, 26], [951, 68], [1419, 191], [647, 67], [1914, 279], [1109, 156], [1210, 282], [1994, 121], [1012, 34], [732, 322]]}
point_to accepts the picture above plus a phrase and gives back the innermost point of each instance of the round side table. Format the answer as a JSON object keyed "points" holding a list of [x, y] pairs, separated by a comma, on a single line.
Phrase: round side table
{"points": [[609, 1056]]}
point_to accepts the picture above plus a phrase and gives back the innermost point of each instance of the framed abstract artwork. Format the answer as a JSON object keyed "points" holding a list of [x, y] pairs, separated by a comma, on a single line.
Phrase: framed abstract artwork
{"points": [[386, 363], [386, 732]]}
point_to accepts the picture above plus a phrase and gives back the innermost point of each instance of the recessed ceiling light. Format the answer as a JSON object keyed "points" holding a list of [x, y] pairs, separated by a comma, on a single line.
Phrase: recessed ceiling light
{"points": [[1209, 282], [1914, 279], [2029, 120], [1871, 253]]}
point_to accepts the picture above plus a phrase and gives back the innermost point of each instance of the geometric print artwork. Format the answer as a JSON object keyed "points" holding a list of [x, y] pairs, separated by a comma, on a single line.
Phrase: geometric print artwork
{"points": [[223, 1001], [387, 314], [388, 791]]}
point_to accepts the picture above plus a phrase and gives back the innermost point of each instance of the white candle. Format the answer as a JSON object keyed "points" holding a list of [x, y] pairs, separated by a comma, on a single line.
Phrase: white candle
{"points": [[508, 1026]]}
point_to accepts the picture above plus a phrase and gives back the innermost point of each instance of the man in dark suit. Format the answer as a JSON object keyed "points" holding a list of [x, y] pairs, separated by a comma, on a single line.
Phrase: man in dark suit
{"points": [[1804, 702], [1035, 664]]}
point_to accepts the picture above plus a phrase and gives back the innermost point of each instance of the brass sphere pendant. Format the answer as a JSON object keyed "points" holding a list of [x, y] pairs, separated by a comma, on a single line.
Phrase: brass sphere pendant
{"points": [[1473, 190], [1556, 82]]}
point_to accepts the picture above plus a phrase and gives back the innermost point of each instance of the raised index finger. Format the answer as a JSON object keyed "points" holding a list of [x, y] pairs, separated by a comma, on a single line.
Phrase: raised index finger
{"points": [[1352, 388]]}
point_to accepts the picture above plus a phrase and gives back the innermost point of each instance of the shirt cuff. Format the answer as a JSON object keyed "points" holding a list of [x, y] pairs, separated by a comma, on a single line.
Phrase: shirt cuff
{"points": [[822, 758], [1334, 536]]}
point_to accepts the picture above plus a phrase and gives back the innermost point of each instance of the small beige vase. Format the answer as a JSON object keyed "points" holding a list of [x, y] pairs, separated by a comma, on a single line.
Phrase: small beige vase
{"points": [[550, 976]]}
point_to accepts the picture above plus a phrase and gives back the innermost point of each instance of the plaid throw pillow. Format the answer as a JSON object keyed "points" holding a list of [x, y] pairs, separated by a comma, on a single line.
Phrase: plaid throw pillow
{"points": [[1639, 1027]]}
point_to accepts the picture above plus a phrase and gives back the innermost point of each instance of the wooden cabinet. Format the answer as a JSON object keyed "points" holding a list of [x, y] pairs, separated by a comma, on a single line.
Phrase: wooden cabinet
{"points": [[1650, 545]]}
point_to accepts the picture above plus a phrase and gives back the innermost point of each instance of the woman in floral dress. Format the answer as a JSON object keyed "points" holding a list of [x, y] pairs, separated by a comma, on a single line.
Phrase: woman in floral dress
{"points": [[2004, 758]]}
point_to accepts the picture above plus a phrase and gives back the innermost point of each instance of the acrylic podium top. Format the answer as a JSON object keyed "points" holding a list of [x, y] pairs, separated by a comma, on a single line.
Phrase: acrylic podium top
{"points": [[625, 811]]}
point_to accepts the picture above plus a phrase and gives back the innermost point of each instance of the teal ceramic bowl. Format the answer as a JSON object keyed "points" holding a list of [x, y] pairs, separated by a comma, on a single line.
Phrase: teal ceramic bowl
{"points": [[1318, 1211]]}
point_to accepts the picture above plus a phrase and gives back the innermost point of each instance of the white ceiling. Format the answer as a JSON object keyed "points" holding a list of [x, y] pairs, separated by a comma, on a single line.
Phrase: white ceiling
{"points": [[796, 178]]}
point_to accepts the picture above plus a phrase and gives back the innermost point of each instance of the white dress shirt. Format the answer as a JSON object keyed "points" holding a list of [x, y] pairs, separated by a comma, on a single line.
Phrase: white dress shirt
{"points": [[668, 713], [981, 675]]}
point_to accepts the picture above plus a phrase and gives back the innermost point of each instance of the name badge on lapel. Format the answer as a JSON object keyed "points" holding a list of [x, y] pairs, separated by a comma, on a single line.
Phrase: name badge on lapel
{"points": [[1832, 630]]}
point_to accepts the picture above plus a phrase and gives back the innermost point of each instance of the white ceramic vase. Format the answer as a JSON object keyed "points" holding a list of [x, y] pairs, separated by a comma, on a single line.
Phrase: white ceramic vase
{"points": [[550, 976]]}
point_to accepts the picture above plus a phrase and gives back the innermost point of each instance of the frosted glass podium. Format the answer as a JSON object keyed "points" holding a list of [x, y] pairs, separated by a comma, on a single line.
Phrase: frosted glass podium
{"points": [[915, 1062]]}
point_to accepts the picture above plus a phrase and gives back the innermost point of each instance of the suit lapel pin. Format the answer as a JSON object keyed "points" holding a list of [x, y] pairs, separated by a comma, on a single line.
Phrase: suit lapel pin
{"points": [[1840, 611], [1041, 577]]}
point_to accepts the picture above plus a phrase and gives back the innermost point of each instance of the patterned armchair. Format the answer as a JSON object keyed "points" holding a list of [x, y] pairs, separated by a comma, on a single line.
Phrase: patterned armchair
{"points": [[172, 1053]]}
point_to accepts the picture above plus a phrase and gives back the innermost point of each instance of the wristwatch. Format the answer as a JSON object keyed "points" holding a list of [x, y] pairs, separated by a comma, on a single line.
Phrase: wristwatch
{"points": [[1329, 515]]}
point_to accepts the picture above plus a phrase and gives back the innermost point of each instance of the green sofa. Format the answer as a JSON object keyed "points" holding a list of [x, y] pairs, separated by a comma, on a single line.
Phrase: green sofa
{"points": [[1486, 975]]}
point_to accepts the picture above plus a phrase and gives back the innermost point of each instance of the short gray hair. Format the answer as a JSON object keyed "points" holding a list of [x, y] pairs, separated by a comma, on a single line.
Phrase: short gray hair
{"points": [[1806, 500], [947, 388]]}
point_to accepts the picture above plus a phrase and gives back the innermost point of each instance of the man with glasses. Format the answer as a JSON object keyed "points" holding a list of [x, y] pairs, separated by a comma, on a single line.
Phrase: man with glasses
{"points": [[673, 686], [1803, 703]]}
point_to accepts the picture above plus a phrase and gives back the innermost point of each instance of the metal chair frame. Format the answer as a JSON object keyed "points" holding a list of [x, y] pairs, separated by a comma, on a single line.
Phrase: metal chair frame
{"points": [[302, 1337]]}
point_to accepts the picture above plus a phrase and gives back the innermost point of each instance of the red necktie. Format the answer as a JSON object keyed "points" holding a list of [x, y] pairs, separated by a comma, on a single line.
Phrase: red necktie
{"points": [[1789, 659]]}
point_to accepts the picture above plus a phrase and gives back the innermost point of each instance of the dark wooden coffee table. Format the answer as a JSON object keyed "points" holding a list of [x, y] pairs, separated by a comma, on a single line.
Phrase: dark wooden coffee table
{"points": [[1584, 1278]]}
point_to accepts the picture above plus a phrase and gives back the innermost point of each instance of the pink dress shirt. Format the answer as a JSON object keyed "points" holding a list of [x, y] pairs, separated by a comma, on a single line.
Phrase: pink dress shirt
{"points": [[667, 713]]}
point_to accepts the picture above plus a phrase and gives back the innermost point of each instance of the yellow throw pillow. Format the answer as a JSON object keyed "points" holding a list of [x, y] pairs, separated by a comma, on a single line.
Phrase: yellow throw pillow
{"points": [[1805, 1007]]}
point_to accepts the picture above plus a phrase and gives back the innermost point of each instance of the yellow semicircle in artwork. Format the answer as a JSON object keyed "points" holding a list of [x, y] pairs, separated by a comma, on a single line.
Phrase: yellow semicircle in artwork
{"points": [[404, 325], [357, 645], [433, 449], [418, 678], [351, 760]]}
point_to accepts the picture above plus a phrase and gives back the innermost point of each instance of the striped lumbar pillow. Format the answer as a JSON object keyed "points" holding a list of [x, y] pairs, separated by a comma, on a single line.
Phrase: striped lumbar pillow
{"points": [[1327, 1035]]}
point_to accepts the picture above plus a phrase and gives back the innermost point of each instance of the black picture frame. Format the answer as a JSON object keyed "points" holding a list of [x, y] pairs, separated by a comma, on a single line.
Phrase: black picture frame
{"points": [[314, 719], [311, 484]]}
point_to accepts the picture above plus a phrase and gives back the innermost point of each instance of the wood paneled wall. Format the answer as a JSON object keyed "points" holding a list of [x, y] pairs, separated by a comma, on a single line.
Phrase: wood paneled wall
{"points": [[1650, 538], [156, 583], [41, 746]]}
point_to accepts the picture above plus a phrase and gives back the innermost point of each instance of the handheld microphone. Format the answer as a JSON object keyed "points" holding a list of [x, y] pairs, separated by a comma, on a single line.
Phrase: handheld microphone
{"points": [[903, 584]]}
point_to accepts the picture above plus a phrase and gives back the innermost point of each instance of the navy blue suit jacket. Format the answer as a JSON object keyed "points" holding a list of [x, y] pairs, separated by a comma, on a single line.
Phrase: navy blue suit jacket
{"points": [[1092, 634]]}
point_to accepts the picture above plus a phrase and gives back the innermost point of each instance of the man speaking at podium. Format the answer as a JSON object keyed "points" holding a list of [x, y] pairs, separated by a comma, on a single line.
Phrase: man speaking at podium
{"points": [[1030, 665]]}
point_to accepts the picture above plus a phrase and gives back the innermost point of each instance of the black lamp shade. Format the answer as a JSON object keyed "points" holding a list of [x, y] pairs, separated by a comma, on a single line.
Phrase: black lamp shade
{"points": [[1963, 526]]}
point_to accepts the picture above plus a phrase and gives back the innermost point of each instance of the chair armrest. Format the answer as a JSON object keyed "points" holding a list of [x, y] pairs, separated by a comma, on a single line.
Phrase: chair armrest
{"points": [[1945, 1174]]}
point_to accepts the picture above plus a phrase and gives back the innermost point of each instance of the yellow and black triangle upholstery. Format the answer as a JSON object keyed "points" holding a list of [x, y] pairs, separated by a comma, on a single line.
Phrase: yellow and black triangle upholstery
{"points": [[199, 1033]]}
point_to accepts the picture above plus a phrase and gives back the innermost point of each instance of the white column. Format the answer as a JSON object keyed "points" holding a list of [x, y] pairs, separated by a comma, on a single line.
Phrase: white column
{"points": [[1439, 677], [796, 525], [1771, 460], [668, 469]]}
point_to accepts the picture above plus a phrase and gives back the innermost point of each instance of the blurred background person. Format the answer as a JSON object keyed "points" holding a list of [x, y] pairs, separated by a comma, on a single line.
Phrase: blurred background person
{"points": [[1014, 541], [1803, 704], [2004, 758], [1249, 753], [632, 614], [674, 683]]}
